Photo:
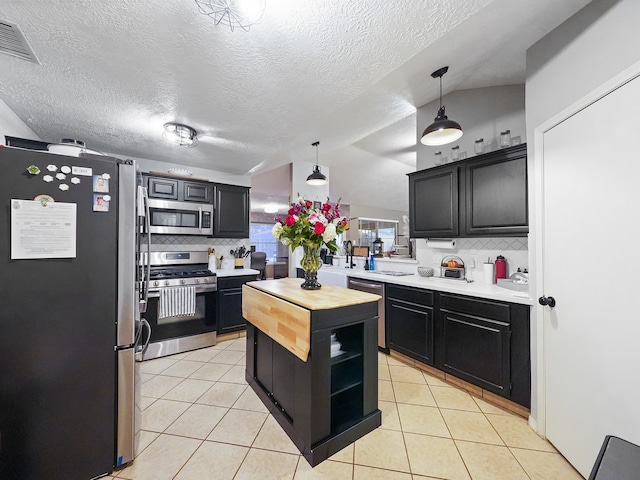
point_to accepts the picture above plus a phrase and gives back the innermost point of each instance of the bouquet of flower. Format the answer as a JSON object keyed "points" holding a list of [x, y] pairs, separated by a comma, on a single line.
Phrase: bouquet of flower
{"points": [[311, 228]]}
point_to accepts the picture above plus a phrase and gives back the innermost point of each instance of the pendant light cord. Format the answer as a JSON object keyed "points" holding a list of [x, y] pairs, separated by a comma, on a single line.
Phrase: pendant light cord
{"points": [[315, 144]]}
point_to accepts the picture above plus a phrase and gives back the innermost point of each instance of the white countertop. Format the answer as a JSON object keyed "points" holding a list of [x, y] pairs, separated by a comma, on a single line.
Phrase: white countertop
{"points": [[236, 272], [473, 289]]}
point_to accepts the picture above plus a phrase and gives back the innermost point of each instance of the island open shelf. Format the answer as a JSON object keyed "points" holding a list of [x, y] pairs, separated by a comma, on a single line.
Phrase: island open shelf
{"points": [[323, 403]]}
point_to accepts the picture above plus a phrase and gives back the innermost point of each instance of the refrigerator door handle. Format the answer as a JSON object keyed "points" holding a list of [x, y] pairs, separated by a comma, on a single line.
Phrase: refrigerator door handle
{"points": [[145, 296], [141, 349]]}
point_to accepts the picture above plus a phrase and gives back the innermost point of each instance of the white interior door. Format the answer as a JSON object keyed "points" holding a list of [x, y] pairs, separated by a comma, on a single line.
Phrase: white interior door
{"points": [[591, 266]]}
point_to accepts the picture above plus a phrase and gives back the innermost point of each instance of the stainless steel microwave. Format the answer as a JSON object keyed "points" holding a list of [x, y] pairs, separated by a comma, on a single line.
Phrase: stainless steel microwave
{"points": [[180, 218]]}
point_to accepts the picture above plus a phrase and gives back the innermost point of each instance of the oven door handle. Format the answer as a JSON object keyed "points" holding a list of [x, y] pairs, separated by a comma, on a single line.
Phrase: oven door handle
{"points": [[199, 290]]}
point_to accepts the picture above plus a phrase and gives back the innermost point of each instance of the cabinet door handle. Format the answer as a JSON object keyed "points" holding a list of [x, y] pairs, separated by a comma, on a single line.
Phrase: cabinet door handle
{"points": [[547, 301]]}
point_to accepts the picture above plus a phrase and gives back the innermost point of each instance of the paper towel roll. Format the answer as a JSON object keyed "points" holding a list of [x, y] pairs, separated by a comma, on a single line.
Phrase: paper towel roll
{"points": [[441, 243]]}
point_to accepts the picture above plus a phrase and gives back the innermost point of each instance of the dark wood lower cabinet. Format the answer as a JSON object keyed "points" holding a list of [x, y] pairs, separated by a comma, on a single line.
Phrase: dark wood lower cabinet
{"points": [[477, 350], [483, 342], [230, 317], [410, 321]]}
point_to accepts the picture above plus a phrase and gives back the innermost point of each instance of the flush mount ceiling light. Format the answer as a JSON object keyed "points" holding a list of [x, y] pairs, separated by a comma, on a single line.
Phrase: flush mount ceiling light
{"points": [[442, 130], [233, 13], [180, 134], [316, 178], [271, 208]]}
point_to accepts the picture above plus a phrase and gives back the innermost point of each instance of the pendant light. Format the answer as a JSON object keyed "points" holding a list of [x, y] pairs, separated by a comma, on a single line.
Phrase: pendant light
{"points": [[316, 178], [442, 130]]}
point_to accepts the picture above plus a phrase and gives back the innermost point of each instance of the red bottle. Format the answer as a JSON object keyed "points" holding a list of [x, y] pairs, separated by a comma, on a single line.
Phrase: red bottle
{"points": [[501, 268]]}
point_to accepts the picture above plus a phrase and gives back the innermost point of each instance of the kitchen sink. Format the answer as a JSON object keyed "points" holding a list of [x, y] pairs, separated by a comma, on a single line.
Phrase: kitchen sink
{"points": [[392, 273]]}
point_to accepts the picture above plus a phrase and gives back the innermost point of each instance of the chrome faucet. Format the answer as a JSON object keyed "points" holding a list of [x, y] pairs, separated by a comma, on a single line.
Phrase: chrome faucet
{"points": [[349, 252]]}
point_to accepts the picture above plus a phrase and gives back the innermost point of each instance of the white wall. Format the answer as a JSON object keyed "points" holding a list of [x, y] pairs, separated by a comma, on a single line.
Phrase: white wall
{"points": [[587, 50], [481, 112], [366, 211], [10, 124]]}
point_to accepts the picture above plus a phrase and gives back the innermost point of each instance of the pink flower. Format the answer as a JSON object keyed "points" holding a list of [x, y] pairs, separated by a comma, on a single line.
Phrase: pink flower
{"points": [[318, 228], [308, 203], [291, 220], [326, 207]]}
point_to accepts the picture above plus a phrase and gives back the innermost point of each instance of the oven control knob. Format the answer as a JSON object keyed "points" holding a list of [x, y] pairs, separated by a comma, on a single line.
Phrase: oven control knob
{"points": [[155, 283], [197, 280], [206, 280], [181, 282], [166, 282]]}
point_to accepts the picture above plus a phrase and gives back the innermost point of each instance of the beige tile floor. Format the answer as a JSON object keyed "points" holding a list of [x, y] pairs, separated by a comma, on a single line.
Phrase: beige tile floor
{"points": [[202, 422]]}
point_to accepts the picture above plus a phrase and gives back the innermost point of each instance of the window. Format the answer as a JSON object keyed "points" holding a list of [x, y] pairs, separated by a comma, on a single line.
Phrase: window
{"points": [[385, 230], [263, 240]]}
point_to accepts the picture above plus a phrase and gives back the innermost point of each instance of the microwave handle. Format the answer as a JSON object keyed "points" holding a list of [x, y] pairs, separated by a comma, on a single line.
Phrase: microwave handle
{"points": [[200, 218]]}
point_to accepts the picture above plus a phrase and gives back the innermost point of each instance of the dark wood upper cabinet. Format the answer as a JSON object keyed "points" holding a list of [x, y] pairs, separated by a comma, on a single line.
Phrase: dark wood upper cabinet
{"points": [[197, 192], [496, 194], [231, 216], [483, 196], [165, 188], [433, 205]]}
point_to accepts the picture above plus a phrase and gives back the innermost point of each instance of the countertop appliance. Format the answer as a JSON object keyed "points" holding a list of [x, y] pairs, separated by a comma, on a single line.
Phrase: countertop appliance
{"points": [[376, 288], [69, 319], [452, 267], [180, 274]]}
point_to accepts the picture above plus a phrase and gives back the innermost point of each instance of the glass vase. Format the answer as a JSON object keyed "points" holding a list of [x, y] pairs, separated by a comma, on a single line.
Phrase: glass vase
{"points": [[311, 263]]}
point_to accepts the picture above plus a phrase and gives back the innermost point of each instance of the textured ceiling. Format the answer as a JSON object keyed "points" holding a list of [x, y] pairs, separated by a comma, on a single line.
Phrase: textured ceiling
{"points": [[349, 74]]}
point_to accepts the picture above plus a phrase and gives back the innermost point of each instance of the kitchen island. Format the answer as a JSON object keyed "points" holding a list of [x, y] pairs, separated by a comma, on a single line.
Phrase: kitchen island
{"points": [[312, 358]]}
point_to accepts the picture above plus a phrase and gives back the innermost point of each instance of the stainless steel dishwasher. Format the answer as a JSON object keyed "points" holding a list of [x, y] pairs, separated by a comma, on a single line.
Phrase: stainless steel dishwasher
{"points": [[378, 289]]}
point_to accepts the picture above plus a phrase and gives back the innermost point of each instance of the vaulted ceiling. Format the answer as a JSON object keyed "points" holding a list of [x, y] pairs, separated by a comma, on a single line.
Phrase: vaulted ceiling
{"points": [[349, 74]]}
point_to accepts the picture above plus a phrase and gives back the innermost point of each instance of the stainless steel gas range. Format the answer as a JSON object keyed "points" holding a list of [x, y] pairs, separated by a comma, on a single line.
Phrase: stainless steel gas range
{"points": [[181, 307]]}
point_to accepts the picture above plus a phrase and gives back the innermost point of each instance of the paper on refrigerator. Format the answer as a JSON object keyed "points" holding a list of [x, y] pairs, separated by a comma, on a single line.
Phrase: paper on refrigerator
{"points": [[42, 231]]}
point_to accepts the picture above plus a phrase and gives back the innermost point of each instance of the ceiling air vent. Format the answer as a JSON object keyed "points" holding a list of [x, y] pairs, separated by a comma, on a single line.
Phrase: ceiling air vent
{"points": [[12, 42]]}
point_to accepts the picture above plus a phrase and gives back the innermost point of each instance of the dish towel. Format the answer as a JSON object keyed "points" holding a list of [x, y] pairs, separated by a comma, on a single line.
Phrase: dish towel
{"points": [[177, 301]]}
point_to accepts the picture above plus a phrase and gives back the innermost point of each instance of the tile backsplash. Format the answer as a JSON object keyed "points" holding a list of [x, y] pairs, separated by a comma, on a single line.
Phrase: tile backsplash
{"points": [[475, 251], [177, 243]]}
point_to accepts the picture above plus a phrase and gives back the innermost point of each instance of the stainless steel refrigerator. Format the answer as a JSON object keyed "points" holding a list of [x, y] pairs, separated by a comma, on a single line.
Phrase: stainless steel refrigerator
{"points": [[68, 315]]}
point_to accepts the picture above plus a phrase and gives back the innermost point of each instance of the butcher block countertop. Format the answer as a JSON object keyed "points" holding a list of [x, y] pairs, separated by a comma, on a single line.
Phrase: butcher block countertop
{"points": [[325, 298], [283, 310]]}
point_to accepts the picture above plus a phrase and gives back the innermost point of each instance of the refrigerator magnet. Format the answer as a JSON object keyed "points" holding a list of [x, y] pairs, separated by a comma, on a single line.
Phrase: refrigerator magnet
{"points": [[84, 171], [64, 187], [47, 178], [43, 199], [100, 184], [33, 170], [75, 180], [65, 169], [60, 176], [52, 168], [106, 176], [100, 204]]}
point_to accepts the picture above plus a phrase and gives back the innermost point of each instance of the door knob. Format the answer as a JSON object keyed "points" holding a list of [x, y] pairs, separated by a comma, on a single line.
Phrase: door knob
{"points": [[547, 301]]}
